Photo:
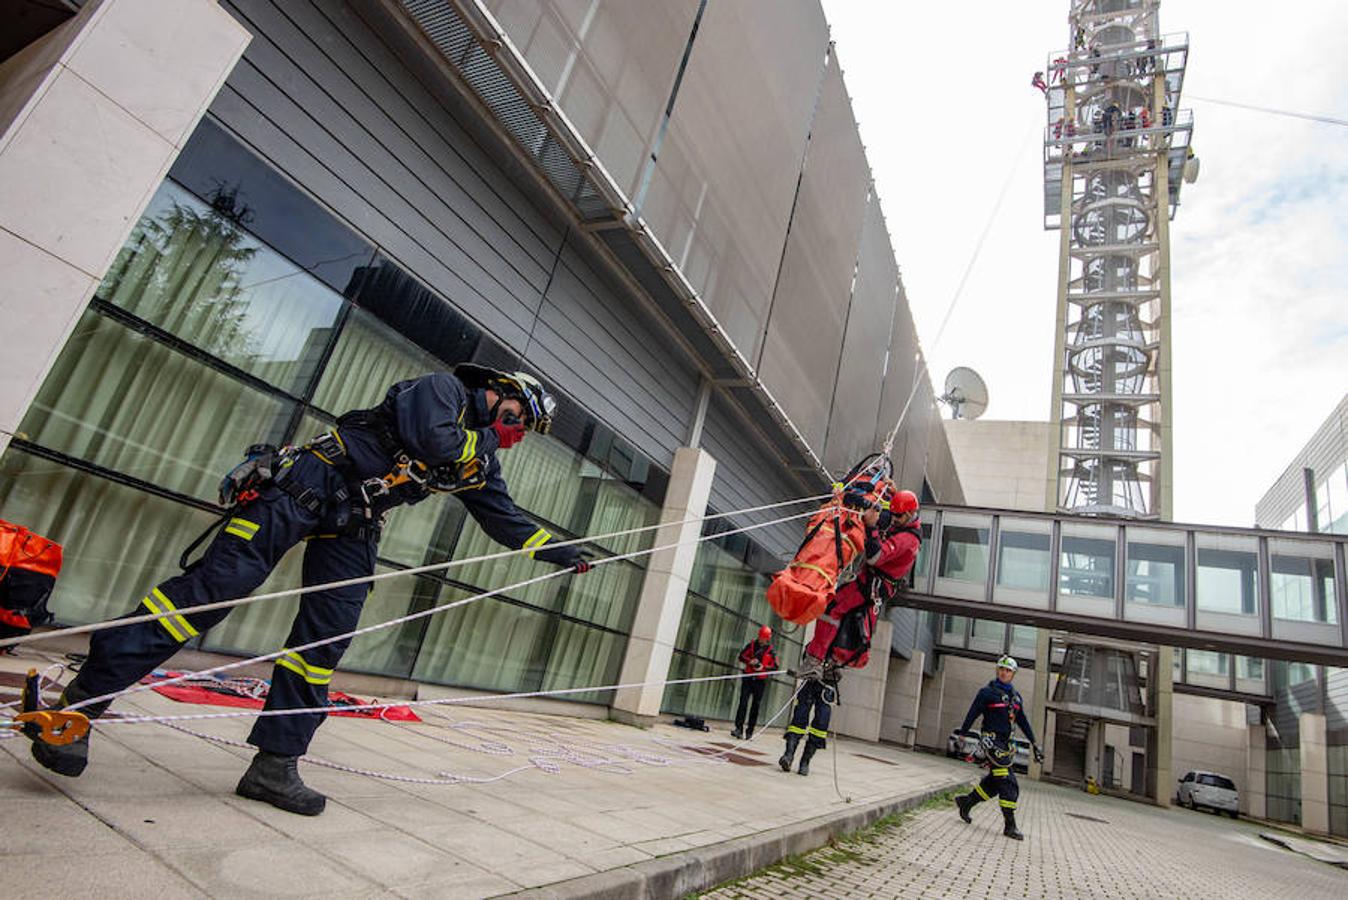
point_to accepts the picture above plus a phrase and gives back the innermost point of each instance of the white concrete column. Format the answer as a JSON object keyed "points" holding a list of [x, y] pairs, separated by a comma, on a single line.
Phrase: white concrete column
{"points": [[1039, 719], [1160, 758], [862, 691], [91, 117], [660, 608], [1254, 800], [1314, 774], [931, 703]]}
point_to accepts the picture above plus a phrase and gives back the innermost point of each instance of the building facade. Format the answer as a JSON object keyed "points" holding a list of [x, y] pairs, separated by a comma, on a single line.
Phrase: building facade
{"points": [[687, 248]]}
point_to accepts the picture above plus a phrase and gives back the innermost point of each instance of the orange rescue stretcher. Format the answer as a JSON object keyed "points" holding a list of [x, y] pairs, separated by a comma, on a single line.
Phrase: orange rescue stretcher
{"points": [[835, 538]]}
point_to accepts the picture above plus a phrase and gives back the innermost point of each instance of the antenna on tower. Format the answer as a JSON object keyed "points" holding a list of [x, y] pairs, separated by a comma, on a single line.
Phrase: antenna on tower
{"points": [[965, 393]]}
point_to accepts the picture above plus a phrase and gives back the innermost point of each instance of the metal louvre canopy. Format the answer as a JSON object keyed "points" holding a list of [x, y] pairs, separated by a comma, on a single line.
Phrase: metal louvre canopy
{"points": [[483, 56], [804, 332], [1252, 592], [609, 65]]}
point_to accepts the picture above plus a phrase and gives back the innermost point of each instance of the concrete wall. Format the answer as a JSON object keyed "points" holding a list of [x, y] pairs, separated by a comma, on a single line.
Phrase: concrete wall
{"points": [[862, 691], [1001, 464], [1211, 735], [903, 697]]}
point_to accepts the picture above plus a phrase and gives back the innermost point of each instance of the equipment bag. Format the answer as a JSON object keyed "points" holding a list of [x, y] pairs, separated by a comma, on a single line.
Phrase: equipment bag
{"points": [[29, 564], [834, 538]]}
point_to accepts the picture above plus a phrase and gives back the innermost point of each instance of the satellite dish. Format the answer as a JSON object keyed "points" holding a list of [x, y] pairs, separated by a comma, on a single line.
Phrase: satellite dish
{"points": [[965, 393]]}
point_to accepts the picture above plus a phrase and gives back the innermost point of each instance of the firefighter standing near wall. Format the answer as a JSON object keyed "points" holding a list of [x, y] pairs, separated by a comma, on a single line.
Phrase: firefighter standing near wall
{"points": [[439, 433], [1002, 709], [842, 635], [756, 657]]}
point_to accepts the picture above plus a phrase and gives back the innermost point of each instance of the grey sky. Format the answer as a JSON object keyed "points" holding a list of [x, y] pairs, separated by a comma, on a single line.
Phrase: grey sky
{"points": [[1259, 276]]}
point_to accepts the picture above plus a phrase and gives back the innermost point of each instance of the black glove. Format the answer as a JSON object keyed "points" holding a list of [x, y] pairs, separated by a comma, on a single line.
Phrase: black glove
{"points": [[1038, 753], [568, 557]]}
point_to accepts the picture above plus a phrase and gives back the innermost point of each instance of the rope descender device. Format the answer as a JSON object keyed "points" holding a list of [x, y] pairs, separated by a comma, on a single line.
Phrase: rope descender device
{"points": [[51, 726]]}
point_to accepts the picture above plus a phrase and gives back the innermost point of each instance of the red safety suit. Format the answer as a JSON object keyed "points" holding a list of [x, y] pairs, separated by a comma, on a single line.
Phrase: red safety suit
{"points": [[756, 652]]}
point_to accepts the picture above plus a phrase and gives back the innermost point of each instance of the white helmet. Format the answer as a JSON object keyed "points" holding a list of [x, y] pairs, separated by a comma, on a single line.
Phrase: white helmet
{"points": [[1008, 662]]}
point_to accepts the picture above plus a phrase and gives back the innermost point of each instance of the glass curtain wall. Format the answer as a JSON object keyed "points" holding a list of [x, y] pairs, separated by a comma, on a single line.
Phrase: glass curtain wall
{"points": [[726, 605], [240, 312]]}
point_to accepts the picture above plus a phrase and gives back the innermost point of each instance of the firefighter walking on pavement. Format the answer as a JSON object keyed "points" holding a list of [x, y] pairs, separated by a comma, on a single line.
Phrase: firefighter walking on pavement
{"points": [[1002, 709], [842, 636], [439, 433], [757, 657]]}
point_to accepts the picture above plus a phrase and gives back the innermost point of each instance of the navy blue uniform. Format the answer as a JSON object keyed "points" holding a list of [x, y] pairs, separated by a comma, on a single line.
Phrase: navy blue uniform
{"points": [[1002, 709], [317, 499]]}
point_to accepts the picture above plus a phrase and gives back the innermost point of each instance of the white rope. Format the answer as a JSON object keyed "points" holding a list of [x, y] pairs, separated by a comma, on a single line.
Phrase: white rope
{"points": [[399, 573], [414, 616], [548, 760], [440, 701], [959, 289]]}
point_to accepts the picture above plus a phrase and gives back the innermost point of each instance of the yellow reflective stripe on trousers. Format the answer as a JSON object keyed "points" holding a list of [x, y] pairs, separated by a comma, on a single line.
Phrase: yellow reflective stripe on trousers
{"points": [[537, 540], [819, 733], [978, 789], [1007, 804], [469, 446], [1001, 773], [242, 528], [795, 729], [312, 674], [178, 627]]}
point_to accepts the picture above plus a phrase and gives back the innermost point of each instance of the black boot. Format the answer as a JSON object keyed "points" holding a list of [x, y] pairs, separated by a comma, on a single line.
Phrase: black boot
{"points": [[792, 741], [737, 734], [275, 779], [68, 759], [805, 757], [966, 802], [1011, 830]]}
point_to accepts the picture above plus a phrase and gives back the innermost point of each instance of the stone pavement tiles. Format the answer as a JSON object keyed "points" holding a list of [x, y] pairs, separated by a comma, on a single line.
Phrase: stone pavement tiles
{"points": [[1076, 845], [155, 814]]}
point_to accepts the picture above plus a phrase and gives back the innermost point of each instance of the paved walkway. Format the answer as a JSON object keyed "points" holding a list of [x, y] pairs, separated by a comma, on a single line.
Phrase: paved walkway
{"points": [[1076, 845], [155, 814]]}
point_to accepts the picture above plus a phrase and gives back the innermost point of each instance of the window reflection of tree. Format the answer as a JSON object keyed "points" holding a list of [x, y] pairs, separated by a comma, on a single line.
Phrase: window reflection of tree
{"points": [[182, 269]]}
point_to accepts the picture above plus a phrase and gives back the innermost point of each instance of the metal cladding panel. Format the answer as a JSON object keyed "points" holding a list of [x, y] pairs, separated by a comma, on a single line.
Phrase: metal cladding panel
{"points": [[856, 398], [610, 65], [725, 177], [901, 367], [804, 334]]}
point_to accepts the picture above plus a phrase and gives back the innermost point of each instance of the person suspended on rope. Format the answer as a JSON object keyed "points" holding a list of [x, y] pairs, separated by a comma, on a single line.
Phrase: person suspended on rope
{"points": [[1002, 709], [439, 433], [842, 635], [757, 657], [1038, 81]]}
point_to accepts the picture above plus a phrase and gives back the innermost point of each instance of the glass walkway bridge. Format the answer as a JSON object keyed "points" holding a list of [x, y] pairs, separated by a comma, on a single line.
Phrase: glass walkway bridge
{"points": [[1244, 591]]}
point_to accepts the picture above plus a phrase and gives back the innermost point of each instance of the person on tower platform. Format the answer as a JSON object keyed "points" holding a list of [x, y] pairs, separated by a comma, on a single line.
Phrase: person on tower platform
{"points": [[842, 635], [1002, 709], [440, 433], [758, 658]]}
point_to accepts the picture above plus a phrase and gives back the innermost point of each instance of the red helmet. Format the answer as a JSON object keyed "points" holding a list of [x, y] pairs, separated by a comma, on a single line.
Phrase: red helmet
{"points": [[903, 502], [765, 634]]}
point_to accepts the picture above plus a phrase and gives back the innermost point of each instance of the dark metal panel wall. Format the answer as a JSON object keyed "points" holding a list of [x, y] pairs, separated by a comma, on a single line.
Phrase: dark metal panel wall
{"points": [[856, 398], [722, 188], [610, 64], [804, 331], [324, 100]]}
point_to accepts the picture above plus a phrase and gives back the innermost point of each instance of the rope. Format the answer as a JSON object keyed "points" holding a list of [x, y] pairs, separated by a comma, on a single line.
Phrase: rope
{"points": [[959, 288], [542, 759], [400, 573], [1310, 117], [538, 579], [441, 701]]}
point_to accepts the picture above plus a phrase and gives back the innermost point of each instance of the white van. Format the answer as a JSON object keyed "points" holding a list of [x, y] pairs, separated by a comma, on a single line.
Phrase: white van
{"points": [[1210, 789]]}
